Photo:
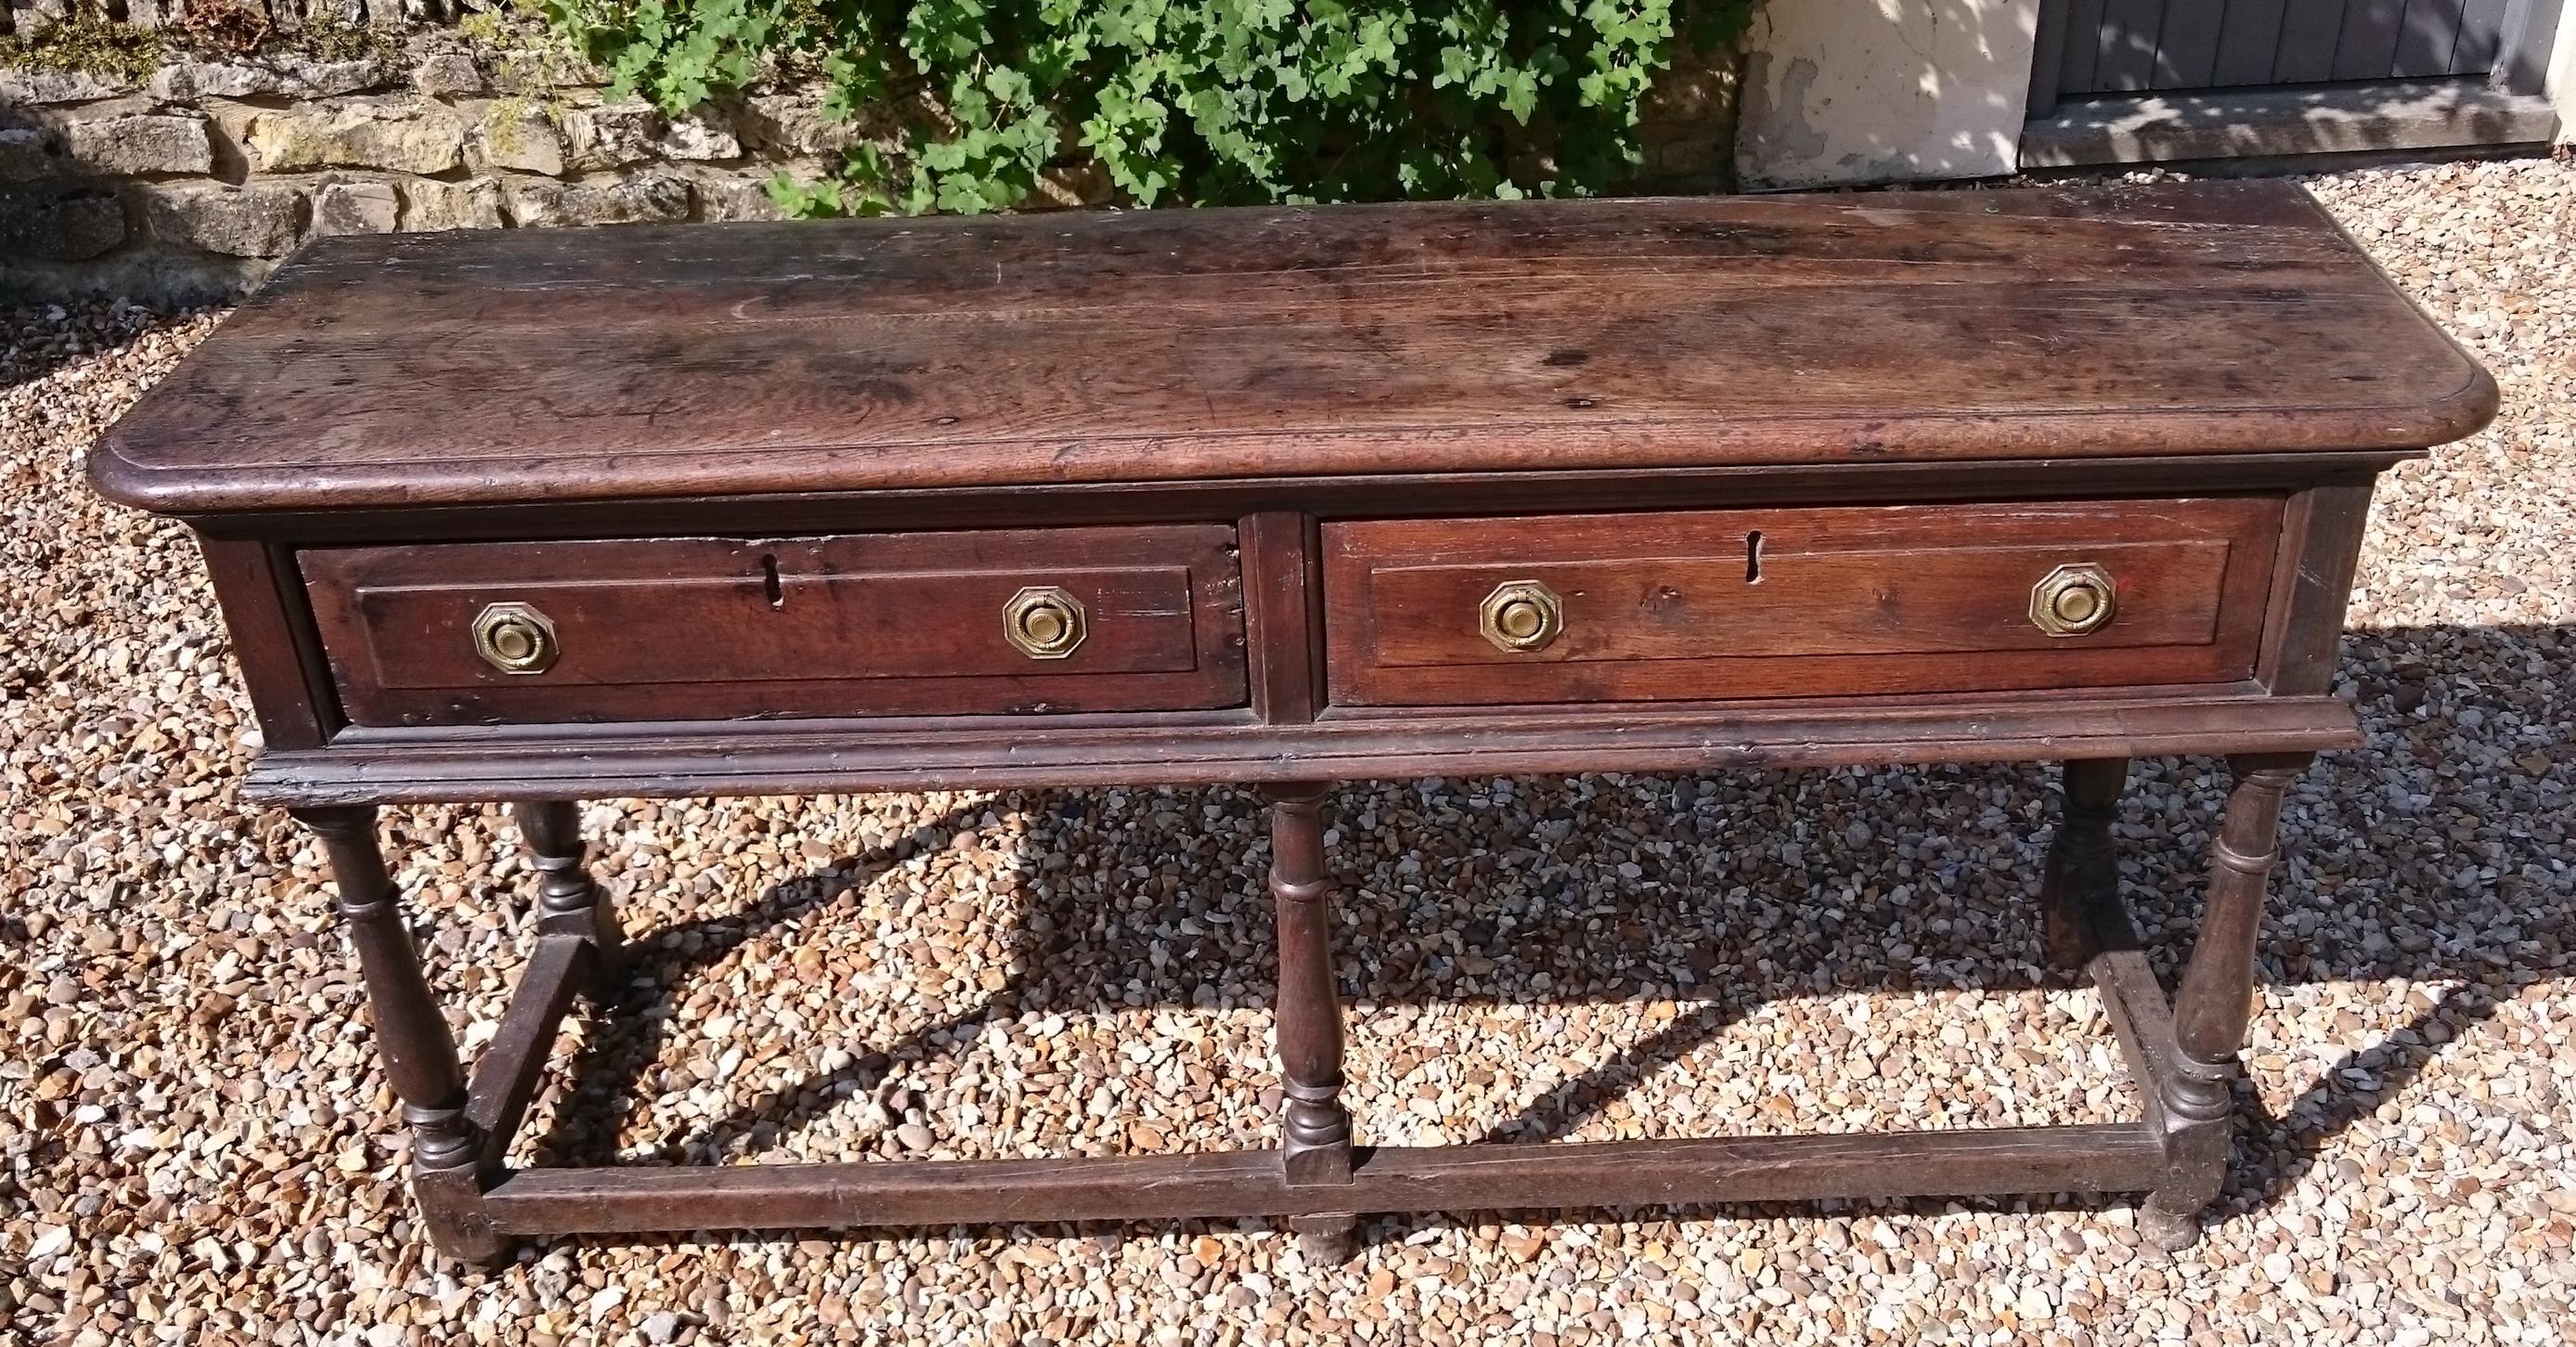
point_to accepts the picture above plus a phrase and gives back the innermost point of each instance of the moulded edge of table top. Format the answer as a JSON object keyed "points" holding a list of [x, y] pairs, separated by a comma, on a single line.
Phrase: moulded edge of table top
{"points": [[143, 462]]}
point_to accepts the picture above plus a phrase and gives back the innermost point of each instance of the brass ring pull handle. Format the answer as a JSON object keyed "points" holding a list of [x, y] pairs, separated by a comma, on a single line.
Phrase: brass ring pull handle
{"points": [[1521, 616], [515, 638], [2074, 600], [1043, 622]]}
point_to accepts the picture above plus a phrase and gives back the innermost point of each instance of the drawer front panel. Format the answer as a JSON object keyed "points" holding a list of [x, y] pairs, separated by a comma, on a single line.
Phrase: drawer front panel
{"points": [[1112, 619], [1717, 604]]}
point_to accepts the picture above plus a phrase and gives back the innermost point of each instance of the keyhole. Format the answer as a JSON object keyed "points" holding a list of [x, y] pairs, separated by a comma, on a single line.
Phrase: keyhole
{"points": [[769, 581], [1753, 557]]}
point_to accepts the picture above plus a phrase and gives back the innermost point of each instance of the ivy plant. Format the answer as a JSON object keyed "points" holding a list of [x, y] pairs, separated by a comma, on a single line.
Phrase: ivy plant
{"points": [[1200, 102]]}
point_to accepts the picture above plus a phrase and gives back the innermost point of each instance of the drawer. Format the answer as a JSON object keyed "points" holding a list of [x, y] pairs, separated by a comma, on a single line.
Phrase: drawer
{"points": [[1716, 604], [1010, 621]]}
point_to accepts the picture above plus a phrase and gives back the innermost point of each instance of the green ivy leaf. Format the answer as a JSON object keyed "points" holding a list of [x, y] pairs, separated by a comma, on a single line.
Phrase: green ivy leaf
{"points": [[1177, 100]]}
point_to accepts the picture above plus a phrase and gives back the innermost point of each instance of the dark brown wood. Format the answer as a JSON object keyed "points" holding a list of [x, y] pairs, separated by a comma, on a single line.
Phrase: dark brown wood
{"points": [[772, 505], [479, 367], [1411, 495], [505, 1075], [2214, 1005], [2081, 871], [1581, 1175], [608, 762], [1316, 1129], [2216, 1000], [2195, 1148], [568, 903], [412, 1038], [578, 946], [1283, 614], [704, 629], [2311, 585], [271, 630], [2132, 1000], [1916, 598], [2142, 1022], [2195, 1145]]}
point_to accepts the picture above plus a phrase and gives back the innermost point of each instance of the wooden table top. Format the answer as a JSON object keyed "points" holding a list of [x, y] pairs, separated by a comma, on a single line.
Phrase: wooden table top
{"points": [[648, 363]]}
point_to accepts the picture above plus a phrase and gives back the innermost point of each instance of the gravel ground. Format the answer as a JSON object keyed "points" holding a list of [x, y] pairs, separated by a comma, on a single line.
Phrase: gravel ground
{"points": [[196, 1145]]}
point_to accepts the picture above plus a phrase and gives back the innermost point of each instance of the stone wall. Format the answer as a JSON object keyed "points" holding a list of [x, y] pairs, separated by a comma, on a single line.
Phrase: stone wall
{"points": [[193, 182]]}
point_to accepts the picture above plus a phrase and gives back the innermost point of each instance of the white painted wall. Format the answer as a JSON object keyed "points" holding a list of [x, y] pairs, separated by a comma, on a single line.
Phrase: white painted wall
{"points": [[2561, 85], [1867, 91]]}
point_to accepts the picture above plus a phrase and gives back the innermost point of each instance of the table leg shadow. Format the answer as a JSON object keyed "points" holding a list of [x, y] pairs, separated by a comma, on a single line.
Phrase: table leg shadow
{"points": [[2182, 1057]]}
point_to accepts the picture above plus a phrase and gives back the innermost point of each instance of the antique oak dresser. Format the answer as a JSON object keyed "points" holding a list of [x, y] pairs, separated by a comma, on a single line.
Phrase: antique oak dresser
{"points": [[1283, 497]]}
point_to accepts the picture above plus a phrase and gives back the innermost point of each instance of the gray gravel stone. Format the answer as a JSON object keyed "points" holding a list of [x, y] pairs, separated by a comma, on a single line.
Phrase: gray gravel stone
{"points": [[198, 1144]]}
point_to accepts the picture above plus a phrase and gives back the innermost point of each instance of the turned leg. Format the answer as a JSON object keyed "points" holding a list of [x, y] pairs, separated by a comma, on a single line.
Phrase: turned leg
{"points": [[2217, 999], [568, 902], [2081, 870], [1316, 1149], [419, 1053]]}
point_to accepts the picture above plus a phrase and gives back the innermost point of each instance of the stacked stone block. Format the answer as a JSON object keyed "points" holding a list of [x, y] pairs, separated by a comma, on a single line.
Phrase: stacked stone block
{"points": [[194, 182]]}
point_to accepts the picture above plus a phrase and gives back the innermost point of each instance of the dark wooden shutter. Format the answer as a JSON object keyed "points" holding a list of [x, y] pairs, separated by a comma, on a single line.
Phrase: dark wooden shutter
{"points": [[2095, 47]]}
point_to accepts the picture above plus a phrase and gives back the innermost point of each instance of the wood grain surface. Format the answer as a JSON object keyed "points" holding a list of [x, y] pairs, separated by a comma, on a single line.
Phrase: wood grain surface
{"points": [[1751, 603], [708, 629], [1791, 467], [2088, 1158], [646, 363], [962, 753]]}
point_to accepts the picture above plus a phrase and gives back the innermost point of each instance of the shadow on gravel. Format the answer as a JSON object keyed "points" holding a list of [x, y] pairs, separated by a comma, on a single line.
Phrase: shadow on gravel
{"points": [[2435, 855], [37, 339]]}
